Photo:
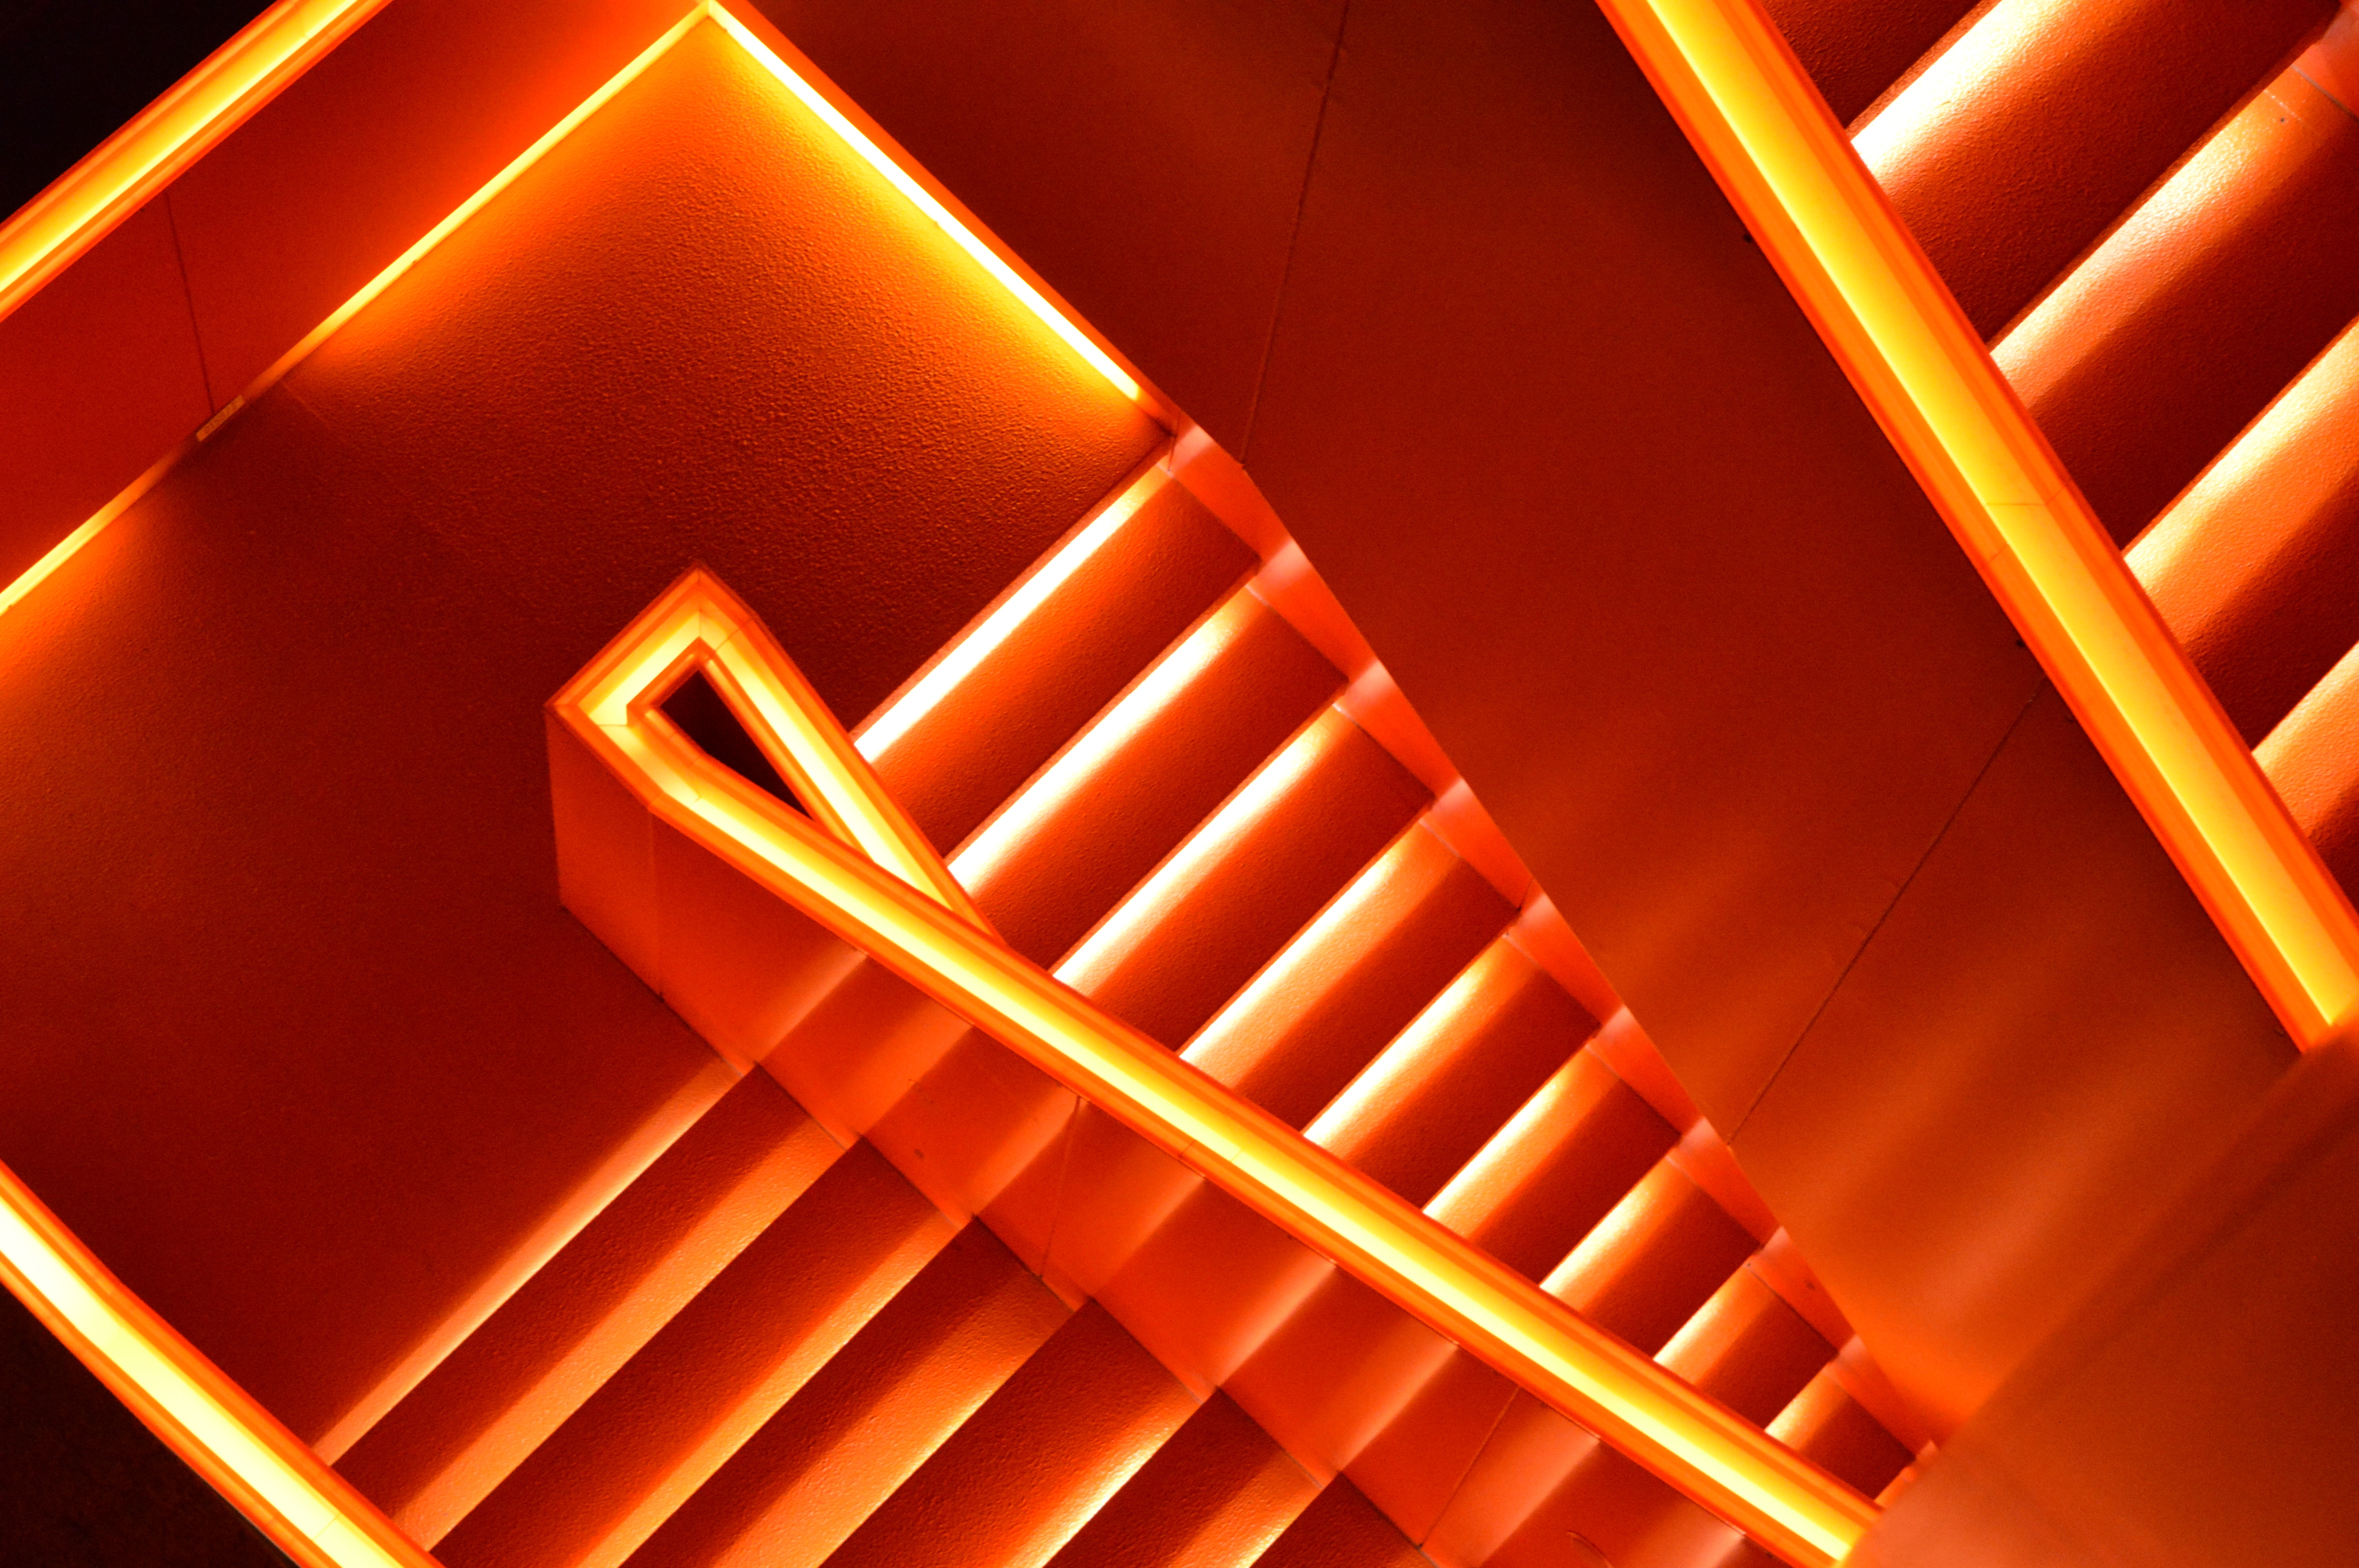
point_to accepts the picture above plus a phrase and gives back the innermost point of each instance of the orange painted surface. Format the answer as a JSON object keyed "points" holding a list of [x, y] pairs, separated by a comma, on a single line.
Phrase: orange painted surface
{"points": [[1147, 157], [881, 1408], [2309, 757], [1854, 50], [1016, 1481], [714, 1375], [1048, 676], [1229, 898], [1652, 1261], [2040, 126], [1116, 803], [1213, 1497], [2207, 300], [1747, 1349], [1581, 1141], [56, 227], [1456, 1074], [1340, 1530], [99, 377], [1348, 981], [396, 445], [2252, 567], [476, 1416]]}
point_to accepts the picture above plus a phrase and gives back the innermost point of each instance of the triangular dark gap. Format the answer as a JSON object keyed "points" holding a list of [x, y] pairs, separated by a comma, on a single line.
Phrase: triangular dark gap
{"points": [[705, 718]]}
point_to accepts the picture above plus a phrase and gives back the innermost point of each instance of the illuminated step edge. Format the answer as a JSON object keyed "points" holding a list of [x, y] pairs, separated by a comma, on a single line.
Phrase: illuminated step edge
{"points": [[1761, 126], [613, 708]]}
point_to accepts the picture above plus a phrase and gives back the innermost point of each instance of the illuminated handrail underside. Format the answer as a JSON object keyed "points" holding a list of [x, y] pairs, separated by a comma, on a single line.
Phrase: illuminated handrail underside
{"points": [[1767, 135], [1706, 1452]]}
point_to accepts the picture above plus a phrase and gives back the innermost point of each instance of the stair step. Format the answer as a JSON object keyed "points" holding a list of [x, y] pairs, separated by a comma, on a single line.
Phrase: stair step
{"points": [[473, 1419], [1827, 1426], [1231, 897], [1653, 1262], [1555, 1170], [1747, 1349], [1545, 1494], [2208, 301], [1026, 1471], [2310, 758], [1215, 1496], [1352, 979], [698, 1389], [2252, 568], [1454, 1076], [1159, 761], [1341, 1529], [1854, 49], [865, 1421], [1114, 598], [2043, 122]]}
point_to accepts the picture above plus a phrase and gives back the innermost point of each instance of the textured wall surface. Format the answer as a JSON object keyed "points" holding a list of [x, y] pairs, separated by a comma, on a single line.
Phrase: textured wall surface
{"points": [[302, 1042]]}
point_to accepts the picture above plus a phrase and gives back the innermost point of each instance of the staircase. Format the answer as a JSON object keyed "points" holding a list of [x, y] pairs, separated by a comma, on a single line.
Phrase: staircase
{"points": [[920, 1312], [2150, 209]]}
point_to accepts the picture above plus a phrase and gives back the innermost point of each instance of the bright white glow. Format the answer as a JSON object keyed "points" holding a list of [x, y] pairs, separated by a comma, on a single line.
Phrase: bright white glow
{"points": [[1086, 759], [1204, 849], [923, 199], [967, 654]]}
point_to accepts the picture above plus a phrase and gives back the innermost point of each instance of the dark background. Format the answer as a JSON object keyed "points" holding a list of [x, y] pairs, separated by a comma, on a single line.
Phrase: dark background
{"points": [[72, 70]]}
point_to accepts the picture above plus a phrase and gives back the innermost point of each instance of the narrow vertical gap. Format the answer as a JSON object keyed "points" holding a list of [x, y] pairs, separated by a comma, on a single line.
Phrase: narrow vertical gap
{"points": [[1294, 235], [189, 298]]}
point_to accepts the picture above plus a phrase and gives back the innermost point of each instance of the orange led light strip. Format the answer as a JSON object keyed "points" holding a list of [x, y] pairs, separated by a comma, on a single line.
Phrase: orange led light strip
{"points": [[270, 55], [904, 919], [89, 199], [308, 1511], [1767, 135]]}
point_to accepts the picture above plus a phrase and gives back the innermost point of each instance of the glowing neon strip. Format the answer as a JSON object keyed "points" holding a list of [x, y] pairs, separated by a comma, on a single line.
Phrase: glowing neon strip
{"points": [[1769, 139], [1708, 1454], [351, 13], [305, 1508], [89, 199]]}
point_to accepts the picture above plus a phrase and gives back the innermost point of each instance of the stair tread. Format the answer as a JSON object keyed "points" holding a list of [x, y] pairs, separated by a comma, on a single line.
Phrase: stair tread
{"points": [[1026, 1471], [1229, 899], [2252, 568], [1854, 50], [866, 1420], [1352, 979], [1214, 1495], [1748, 1349], [711, 1378], [1653, 1261], [2042, 125], [1453, 1079], [2208, 301], [1341, 1529], [531, 1364], [1099, 818], [1556, 1169], [1135, 593]]}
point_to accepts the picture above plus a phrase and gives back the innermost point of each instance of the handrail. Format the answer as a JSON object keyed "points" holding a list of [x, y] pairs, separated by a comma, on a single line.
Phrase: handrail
{"points": [[81, 206], [1788, 1504], [1767, 135], [304, 1508]]}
